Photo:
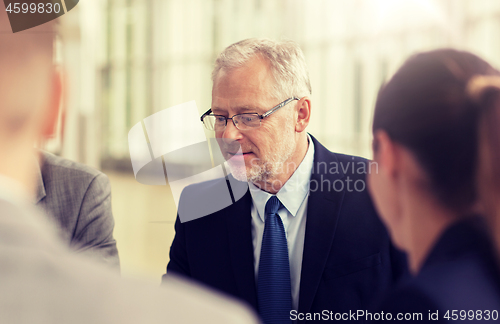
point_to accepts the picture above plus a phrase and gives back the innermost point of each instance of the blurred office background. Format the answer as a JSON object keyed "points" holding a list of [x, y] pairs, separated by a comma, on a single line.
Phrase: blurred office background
{"points": [[127, 59]]}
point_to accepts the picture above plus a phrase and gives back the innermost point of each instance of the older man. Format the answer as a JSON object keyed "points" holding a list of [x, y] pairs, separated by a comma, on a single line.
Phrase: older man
{"points": [[304, 243], [42, 281]]}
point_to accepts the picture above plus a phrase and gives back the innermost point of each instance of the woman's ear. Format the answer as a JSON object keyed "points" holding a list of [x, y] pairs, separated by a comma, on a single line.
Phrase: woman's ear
{"points": [[384, 185], [385, 152]]}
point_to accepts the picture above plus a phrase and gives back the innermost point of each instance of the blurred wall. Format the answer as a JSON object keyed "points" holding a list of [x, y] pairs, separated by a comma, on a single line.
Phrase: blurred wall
{"points": [[127, 59], [131, 58]]}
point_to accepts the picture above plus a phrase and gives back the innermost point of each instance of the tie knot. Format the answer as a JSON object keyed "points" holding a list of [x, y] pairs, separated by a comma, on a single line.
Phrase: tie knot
{"points": [[272, 205]]}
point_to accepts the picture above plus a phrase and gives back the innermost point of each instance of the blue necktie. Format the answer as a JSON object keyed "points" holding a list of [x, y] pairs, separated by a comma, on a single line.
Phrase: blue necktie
{"points": [[274, 291]]}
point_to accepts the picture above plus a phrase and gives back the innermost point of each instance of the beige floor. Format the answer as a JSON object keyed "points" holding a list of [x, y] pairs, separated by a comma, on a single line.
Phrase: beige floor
{"points": [[144, 226]]}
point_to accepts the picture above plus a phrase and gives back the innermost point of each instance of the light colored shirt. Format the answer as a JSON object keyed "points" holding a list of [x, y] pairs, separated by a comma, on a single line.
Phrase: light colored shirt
{"points": [[12, 191], [293, 195]]}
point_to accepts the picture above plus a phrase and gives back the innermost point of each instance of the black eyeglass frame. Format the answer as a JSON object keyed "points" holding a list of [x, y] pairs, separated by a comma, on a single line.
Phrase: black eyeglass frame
{"points": [[264, 115]]}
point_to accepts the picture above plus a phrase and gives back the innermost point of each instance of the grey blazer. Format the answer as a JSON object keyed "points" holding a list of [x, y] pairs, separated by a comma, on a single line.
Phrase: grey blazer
{"points": [[78, 197]]}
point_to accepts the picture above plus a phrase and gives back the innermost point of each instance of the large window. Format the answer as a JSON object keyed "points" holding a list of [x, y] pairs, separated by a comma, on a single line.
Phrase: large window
{"points": [[153, 54]]}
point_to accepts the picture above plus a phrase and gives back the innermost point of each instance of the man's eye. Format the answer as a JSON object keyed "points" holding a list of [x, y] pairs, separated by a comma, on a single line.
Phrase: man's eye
{"points": [[220, 119], [248, 118]]}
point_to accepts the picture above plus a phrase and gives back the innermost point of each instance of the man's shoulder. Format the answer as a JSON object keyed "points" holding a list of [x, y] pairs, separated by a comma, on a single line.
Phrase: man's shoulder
{"points": [[209, 197], [326, 161], [63, 182], [205, 186], [349, 158], [56, 167]]}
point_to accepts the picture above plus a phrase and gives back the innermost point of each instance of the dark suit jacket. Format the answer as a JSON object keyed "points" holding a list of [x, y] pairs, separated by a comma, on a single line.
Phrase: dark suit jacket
{"points": [[78, 198], [348, 258], [459, 274]]}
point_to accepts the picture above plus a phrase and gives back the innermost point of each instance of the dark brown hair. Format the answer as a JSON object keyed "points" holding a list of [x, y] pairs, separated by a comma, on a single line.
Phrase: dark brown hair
{"points": [[426, 108], [486, 92]]}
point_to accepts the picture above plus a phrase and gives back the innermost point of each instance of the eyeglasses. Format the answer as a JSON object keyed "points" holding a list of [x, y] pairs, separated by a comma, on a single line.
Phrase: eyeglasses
{"points": [[241, 121]]}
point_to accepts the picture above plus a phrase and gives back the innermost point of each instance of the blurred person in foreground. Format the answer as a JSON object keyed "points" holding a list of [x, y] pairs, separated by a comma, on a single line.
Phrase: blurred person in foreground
{"points": [[425, 130], [75, 196], [485, 90], [304, 240], [41, 280]]}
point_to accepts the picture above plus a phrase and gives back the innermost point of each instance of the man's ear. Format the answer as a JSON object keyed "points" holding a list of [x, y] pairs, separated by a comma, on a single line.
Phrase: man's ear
{"points": [[52, 111], [304, 114]]}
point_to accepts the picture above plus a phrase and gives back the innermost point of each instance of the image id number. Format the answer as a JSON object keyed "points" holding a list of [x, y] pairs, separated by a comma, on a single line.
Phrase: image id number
{"points": [[33, 8]]}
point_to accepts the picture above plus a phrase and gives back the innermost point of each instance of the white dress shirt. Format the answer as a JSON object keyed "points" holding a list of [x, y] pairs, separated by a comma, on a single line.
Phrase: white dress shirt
{"points": [[293, 195]]}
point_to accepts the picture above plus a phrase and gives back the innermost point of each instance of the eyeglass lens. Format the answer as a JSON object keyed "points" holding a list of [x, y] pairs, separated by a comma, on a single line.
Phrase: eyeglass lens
{"points": [[242, 122]]}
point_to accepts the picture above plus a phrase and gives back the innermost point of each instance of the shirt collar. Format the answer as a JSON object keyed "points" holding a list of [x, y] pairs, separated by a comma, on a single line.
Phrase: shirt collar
{"points": [[40, 187], [295, 190], [12, 191]]}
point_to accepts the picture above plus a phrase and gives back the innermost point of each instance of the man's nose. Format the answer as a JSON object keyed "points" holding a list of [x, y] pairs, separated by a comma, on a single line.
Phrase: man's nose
{"points": [[231, 133]]}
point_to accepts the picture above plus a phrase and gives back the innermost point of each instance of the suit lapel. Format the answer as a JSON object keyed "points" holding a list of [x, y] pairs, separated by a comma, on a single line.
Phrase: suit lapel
{"points": [[322, 214], [241, 248], [40, 186]]}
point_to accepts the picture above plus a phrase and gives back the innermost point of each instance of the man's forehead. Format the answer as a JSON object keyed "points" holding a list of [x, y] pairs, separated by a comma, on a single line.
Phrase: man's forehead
{"points": [[241, 104]]}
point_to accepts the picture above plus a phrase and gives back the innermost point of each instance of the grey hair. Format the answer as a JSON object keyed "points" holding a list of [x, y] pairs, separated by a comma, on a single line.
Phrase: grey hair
{"points": [[286, 60]]}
